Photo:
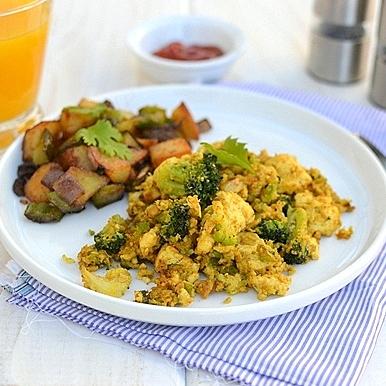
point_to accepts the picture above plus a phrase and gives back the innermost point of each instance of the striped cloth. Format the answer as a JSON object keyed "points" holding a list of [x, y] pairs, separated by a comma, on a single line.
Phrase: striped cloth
{"points": [[327, 343]]}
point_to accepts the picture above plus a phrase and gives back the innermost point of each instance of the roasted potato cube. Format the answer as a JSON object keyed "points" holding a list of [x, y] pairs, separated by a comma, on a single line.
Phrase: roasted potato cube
{"points": [[204, 125], [52, 175], [129, 141], [74, 118], [172, 148], [68, 188], [118, 170], [76, 185], [40, 140], [147, 142], [137, 156], [78, 156], [69, 142], [44, 151], [185, 123], [34, 190], [107, 195], [42, 212], [87, 103]]}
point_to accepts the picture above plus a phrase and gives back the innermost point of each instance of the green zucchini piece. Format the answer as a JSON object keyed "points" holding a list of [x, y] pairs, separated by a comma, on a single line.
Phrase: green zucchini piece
{"points": [[107, 195], [44, 150], [62, 205], [43, 212]]}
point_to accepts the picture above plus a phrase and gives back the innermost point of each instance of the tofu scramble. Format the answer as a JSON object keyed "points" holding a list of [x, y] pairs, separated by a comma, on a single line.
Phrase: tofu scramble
{"points": [[222, 219]]}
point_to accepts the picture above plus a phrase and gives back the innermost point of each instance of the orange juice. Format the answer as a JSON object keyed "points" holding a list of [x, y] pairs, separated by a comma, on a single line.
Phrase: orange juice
{"points": [[23, 35]]}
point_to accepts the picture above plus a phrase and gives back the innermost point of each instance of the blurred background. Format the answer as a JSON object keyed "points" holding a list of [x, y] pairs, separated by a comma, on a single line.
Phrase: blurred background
{"points": [[87, 52]]}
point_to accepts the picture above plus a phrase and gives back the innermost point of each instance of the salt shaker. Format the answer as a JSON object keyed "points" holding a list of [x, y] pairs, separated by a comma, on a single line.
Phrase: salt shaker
{"points": [[340, 40], [378, 87]]}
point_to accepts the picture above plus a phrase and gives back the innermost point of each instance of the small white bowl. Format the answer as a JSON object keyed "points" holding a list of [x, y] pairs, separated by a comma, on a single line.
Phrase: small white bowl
{"points": [[155, 34]]}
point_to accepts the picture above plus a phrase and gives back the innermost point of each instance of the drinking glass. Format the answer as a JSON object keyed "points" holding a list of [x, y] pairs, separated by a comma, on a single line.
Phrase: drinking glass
{"points": [[23, 36]]}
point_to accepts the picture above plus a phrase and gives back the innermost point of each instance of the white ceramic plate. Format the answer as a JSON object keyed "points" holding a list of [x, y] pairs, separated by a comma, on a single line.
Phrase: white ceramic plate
{"points": [[261, 122]]}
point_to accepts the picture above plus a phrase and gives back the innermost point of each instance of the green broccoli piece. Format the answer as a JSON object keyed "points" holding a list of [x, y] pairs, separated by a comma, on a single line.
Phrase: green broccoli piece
{"points": [[176, 222], [177, 178], [297, 222], [296, 250], [204, 179], [296, 253], [171, 176], [274, 230], [112, 236]]}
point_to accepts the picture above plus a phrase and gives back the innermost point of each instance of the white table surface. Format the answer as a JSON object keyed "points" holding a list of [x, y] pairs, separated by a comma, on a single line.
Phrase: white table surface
{"points": [[86, 56]]}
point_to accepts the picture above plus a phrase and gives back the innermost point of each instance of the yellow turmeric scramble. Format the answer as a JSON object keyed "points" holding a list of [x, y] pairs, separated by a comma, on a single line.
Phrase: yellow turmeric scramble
{"points": [[220, 219]]}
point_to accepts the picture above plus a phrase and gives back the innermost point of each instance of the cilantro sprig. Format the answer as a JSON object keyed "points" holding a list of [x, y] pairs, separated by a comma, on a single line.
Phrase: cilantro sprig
{"points": [[106, 137], [231, 153]]}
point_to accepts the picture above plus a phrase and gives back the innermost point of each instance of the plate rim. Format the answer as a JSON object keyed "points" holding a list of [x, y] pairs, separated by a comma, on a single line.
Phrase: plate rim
{"points": [[286, 304]]}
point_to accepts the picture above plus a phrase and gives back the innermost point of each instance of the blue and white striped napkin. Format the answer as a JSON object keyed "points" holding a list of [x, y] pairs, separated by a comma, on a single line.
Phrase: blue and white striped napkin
{"points": [[326, 343]]}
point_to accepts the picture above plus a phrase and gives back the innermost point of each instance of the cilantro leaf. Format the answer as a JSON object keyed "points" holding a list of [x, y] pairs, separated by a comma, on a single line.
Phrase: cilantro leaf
{"points": [[106, 137], [231, 153]]}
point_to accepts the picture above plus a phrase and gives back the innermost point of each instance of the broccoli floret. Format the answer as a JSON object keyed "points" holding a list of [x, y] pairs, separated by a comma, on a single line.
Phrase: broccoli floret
{"points": [[297, 221], [171, 176], [112, 236], [274, 230], [296, 253], [176, 222], [204, 179], [176, 178]]}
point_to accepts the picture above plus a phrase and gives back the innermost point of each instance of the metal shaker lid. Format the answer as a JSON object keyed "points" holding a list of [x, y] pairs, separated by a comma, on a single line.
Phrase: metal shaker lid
{"points": [[344, 12]]}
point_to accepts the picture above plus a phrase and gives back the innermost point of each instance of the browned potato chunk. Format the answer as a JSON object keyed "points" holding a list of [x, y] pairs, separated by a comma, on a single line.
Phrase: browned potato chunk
{"points": [[172, 148], [147, 142], [68, 188], [78, 156], [118, 170], [84, 102], [52, 175], [76, 186], [185, 122], [74, 118], [138, 155], [130, 141], [39, 140], [34, 190]]}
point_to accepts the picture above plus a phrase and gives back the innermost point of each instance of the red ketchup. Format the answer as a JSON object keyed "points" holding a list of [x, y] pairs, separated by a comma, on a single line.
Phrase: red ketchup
{"points": [[179, 51]]}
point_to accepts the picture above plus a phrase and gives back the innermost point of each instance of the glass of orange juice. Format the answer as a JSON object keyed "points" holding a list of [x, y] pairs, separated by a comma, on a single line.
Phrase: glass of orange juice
{"points": [[23, 36]]}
